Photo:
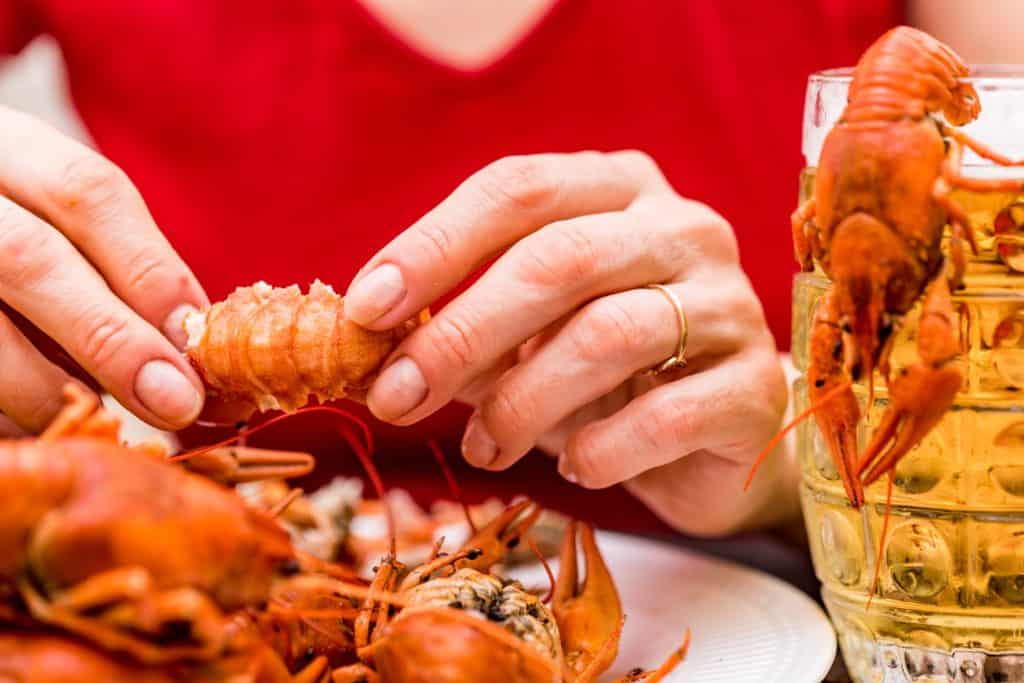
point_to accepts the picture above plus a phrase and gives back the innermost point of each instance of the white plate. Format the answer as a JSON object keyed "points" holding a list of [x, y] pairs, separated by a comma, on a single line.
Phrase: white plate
{"points": [[746, 625]]}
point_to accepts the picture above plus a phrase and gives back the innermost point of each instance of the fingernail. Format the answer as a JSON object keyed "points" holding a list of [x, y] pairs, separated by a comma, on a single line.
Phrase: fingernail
{"points": [[167, 393], [565, 470], [398, 390], [478, 448], [174, 326], [373, 295]]}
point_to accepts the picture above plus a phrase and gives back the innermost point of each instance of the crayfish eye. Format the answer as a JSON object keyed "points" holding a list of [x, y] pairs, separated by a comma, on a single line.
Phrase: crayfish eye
{"points": [[885, 331], [175, 630], [855, 371], [290, 568]]}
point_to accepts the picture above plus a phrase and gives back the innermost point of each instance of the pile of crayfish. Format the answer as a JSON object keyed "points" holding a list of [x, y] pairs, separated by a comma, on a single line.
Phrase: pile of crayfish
{"points": [[124, 563]]}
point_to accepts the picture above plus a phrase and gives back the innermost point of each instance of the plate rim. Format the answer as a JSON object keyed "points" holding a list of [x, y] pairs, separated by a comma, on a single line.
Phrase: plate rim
{"points": [[821, 659]]}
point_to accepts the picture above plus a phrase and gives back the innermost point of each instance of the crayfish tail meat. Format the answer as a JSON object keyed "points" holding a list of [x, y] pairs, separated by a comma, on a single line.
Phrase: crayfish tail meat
{"points": [[275, 347]]}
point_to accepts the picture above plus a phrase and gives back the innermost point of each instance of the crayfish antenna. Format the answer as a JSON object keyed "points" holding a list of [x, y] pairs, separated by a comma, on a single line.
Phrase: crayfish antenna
{"points": [[881, 541], [453, 485], [777, 439], [280, 506], [547, 569]]}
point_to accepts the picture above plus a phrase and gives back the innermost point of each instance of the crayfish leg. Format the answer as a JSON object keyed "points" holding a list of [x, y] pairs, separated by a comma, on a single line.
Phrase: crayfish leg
{"points": [[108, 637], [800, 220], [231, 465], [834, 405], [316, 671], [355, 673]]}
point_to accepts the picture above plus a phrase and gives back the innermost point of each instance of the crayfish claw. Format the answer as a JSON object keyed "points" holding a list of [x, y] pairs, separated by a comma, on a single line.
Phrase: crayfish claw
{"points": [[917, 401], [503, 533], [82, 415], [589, 615], [239, 464]]}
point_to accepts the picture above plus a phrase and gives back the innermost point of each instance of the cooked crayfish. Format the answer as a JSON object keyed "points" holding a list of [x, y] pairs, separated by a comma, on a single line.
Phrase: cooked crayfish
{"points": [[124, 549], [875, 226], [458, 623], [275, 347]]}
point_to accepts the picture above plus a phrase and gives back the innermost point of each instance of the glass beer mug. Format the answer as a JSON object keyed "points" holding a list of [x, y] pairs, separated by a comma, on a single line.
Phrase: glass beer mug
{"points": [[949, 605]]}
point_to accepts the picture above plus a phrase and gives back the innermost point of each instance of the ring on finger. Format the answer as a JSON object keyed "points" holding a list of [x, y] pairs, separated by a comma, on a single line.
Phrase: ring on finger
{"points": [[679, 359]]}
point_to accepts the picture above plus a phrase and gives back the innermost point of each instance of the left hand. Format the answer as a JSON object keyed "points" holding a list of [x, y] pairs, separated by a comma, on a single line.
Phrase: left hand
{"points": [[550, 343]]}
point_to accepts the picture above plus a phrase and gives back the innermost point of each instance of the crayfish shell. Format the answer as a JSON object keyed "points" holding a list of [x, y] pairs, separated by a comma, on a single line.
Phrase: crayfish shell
{"points": [[504, 603], [443, 645], [470, 626], [275, 347]]}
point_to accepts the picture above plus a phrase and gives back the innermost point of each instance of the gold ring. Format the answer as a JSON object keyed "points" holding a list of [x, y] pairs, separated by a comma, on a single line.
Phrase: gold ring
{"points": [[679, 359]]}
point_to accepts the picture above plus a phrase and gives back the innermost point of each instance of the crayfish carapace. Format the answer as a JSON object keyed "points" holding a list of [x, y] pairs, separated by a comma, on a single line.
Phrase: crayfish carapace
{"points": [[875, 226]]}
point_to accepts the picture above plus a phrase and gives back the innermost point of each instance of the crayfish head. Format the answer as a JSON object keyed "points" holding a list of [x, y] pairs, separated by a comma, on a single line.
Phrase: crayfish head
{"points": [[963, 106], [877, 277]]}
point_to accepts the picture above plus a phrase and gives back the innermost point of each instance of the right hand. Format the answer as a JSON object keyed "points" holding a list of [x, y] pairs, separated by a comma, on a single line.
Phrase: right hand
{"points": [[82, 259]]}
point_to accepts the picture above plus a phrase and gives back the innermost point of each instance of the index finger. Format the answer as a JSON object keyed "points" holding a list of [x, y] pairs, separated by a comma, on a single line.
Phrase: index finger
{"points": [[493, 209], [92, 202]]}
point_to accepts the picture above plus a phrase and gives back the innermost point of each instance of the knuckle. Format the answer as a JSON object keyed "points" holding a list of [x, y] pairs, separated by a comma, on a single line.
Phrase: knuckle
{"points": [[705, 229], [42, 410], [587, 463], [638, 159], [89, 181], [103, 335], [522, 182], [437, 238], [23, 248], [720, 235], [558, 256], [454, 337], [667, 425], [606, 330], [149, 273], [507, 412]]}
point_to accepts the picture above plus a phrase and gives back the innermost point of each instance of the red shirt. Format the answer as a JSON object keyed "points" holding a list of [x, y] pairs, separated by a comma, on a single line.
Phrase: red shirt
{"points": [[289, 139]]}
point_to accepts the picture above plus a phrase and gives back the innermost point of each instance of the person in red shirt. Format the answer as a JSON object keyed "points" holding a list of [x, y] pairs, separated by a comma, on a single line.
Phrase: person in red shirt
{"points": [[409, 147]]}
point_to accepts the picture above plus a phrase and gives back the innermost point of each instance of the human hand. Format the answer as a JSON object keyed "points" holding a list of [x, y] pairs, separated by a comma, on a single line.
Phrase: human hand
{"points": [[550, 343], [83, 261]]}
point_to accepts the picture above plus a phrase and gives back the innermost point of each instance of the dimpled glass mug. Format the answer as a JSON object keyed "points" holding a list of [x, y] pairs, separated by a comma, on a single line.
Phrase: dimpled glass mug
{"points": [[950, 599]]}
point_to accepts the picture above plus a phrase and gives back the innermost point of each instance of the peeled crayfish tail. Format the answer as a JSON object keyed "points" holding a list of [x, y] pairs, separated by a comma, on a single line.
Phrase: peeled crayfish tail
{"points": [[275, 347]]}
